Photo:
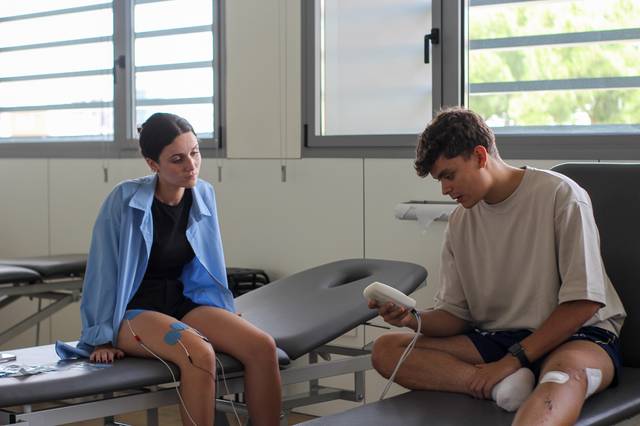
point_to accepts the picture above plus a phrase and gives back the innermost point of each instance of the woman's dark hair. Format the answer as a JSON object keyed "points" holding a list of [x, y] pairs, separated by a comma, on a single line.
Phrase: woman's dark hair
{"points": [[159, 131], [454, 131]]}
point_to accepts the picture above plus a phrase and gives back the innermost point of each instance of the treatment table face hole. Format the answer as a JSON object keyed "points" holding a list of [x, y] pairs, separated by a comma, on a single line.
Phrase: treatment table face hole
{"points": [[349, 279]]}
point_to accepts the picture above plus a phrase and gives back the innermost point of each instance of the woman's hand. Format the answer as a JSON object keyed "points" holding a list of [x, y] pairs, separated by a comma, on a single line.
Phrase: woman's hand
{"points": [[489, 375], [393, 314], [105, 353]]}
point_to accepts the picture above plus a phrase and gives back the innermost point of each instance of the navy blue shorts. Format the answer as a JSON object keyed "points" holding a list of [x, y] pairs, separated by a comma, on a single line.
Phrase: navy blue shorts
{"points": [[493, 345]]}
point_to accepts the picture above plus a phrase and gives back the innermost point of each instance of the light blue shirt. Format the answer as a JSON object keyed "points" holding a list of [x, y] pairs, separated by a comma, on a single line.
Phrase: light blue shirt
{"points": [[120, 249]]}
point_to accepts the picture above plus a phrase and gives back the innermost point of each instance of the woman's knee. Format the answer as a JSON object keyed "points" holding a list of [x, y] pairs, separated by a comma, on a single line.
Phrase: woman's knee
{"points": [[262, 348], [201, 355]]}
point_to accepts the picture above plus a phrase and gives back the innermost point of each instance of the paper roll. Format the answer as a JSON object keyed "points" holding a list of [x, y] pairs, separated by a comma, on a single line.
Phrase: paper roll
{"points": [[424, 213]]}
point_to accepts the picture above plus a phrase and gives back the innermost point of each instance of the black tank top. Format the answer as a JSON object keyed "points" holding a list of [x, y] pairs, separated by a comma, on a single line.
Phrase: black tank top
{"points": [[170, 250]]}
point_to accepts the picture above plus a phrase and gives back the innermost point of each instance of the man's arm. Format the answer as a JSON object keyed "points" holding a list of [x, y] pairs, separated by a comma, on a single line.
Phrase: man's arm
{"points": [[565, 320]]}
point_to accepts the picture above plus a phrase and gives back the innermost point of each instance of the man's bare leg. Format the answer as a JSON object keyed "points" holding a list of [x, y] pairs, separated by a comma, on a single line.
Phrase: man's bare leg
{"points": [[435, 363], [560, 403]]}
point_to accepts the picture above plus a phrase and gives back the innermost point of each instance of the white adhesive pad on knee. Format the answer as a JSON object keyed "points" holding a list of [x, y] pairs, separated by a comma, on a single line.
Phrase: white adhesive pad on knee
{"points": [[594, 378], [555, 377]]}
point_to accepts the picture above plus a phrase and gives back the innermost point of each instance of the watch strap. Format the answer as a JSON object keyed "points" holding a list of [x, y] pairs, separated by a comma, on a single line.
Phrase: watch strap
{"points": [[518, 351]]}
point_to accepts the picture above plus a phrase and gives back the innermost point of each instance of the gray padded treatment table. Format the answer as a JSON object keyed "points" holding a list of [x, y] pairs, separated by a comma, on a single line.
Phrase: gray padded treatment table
{"points": [[302, 312], [615, 195], [17, 275], [49, 267], [322, 303], [418, 408], [57, 278], [76, 379]]}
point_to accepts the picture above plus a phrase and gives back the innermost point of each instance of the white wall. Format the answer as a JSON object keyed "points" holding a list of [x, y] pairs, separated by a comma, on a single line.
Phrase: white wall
{"points": [[263, 78]]}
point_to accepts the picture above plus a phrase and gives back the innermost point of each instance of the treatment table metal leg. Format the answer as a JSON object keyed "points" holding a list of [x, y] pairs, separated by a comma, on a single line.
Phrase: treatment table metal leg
{"points": [[152, 417], [221, 419]]}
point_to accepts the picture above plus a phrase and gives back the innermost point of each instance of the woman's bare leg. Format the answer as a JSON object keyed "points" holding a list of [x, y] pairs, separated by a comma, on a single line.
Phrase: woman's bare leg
{"points": [[160, 334], [232, 335]]}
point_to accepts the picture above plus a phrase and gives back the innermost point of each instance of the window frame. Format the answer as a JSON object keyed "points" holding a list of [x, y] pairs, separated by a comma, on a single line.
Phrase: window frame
{"points": [[550, 144], [450, 75], [370, 145], [124, 143]]}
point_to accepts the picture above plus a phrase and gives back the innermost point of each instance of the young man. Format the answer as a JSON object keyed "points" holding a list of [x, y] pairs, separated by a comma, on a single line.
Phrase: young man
{"points": [[523, 289]]}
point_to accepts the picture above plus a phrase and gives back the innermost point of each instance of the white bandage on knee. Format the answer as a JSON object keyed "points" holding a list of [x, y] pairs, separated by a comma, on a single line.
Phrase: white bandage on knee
{"points": [[594, 378], [513, 390], [555, 377]]}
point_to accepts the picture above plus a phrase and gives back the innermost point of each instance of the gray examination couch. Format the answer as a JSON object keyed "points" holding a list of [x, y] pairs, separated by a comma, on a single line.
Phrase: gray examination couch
{"points": [[303, 312], [56, 278], [615, 193]]}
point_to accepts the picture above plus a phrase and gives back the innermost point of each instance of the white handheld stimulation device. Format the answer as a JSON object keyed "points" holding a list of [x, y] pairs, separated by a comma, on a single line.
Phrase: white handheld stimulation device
{"points": [[382, 293]]}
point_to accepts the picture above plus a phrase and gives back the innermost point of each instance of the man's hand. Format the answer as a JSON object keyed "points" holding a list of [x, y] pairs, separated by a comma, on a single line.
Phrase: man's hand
{"points": [[105, 354], [488, 375], [393, 314]]}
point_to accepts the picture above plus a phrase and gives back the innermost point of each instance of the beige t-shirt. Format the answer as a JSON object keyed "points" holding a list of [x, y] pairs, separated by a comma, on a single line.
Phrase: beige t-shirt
{"points": [[508, 265]]}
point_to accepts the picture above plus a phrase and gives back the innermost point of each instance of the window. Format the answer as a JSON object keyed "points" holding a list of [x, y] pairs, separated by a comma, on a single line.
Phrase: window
{"points": [[56, 84], [557, 78], [77, 72], [367, 80], [174, 54], [570, 65], [554, 78]]}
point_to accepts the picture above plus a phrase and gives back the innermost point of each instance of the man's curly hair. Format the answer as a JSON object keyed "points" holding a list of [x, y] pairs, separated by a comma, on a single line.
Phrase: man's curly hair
{"points": [[454, 131]]}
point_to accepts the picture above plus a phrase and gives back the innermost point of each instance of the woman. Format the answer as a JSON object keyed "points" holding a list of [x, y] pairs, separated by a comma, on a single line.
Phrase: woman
{"points": [[155, 283]]}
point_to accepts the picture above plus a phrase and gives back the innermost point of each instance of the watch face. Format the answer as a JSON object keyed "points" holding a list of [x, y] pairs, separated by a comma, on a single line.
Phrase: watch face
{"points": [[518, 351], [515, 348]]}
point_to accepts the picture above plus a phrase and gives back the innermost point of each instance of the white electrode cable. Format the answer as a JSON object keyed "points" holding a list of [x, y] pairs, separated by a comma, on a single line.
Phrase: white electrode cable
{"points": [[168, 368], [404, 355], [224, 380]]}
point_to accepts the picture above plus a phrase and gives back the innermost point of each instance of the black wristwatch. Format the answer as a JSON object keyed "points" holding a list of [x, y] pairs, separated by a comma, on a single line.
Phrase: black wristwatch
{"points": [[518, 351]]}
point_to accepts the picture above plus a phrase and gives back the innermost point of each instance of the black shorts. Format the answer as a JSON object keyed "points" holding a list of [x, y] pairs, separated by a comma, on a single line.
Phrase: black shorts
{"points": [[162, 295], [493, 345]]}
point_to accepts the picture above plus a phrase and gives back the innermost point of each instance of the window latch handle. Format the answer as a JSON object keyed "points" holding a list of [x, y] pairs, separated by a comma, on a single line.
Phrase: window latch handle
{"points": [[434, 38], [119, 62]]}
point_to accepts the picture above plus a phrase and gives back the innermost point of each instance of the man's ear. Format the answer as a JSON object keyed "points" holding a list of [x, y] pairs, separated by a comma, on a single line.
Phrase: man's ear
{"points": [[152, 164], [481, 155]]}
